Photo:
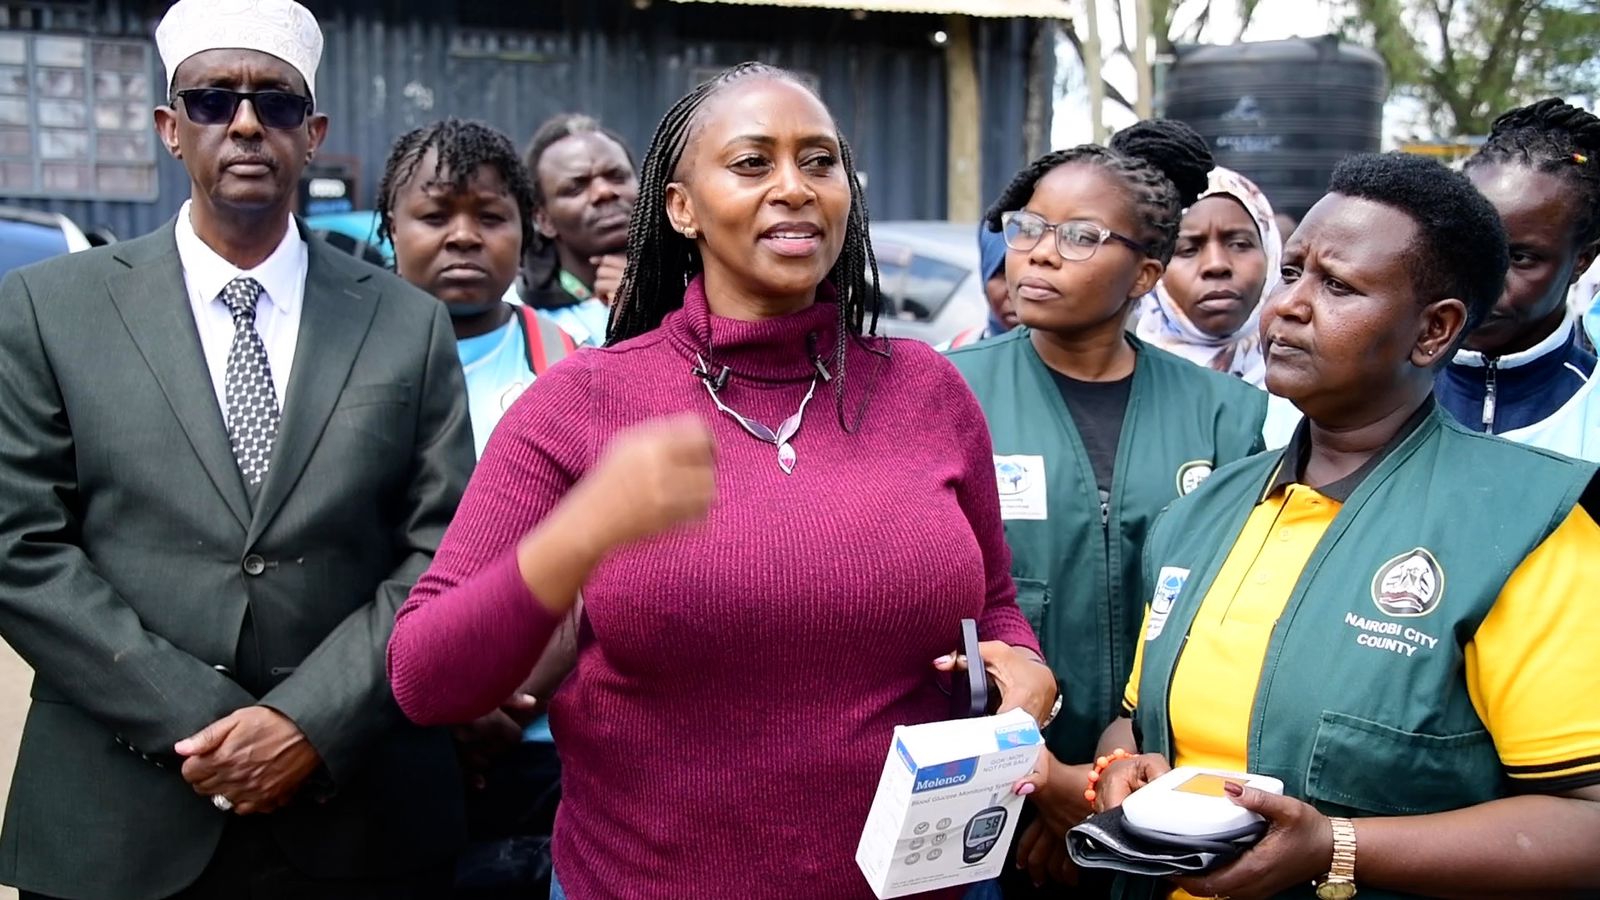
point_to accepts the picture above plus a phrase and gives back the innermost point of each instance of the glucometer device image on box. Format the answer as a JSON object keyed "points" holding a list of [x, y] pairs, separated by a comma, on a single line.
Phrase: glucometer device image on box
{"points": [[1183, 823], [983, 831]]}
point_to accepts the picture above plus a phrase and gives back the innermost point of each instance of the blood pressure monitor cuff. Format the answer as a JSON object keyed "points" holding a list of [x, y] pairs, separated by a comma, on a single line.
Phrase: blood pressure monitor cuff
{"points": [[1107, 841]]}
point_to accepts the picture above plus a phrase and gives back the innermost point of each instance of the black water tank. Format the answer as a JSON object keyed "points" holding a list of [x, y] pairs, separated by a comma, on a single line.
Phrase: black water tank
{"points": [[1282, 112]]}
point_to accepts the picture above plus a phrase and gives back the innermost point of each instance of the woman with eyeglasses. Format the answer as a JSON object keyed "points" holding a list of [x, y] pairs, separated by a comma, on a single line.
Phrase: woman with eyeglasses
{"points": [[1094, 431]]}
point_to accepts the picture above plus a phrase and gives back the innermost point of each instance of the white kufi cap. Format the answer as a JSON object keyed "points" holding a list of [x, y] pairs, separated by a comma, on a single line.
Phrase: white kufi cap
{"points": [[282, 28]]}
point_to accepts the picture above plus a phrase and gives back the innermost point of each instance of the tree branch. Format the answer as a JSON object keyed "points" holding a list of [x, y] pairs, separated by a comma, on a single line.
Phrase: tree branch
{"points": [[1110, 89], [1498, 71], [1442, 15], [1247, 11], [1122, 27]]}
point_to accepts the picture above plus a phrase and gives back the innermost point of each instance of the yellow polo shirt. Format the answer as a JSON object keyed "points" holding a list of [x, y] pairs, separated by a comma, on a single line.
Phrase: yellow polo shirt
{"points": [[1534, 652]]}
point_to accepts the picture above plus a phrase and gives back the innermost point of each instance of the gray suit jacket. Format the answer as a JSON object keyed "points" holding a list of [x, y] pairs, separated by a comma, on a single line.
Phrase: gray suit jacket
{"points": [[130, 557]]}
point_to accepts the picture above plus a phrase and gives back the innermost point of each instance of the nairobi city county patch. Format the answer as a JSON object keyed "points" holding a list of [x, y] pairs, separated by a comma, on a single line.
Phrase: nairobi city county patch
{"points": [[1410, 585]]}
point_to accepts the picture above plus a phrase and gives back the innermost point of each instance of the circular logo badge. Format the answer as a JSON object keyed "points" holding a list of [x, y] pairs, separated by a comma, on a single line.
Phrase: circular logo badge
{"points": [[1410, 585], [1191, 475], [1011, 477]]}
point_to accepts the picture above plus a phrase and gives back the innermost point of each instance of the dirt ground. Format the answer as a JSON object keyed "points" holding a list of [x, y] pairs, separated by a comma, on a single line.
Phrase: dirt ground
{"points": [[15, 677]]}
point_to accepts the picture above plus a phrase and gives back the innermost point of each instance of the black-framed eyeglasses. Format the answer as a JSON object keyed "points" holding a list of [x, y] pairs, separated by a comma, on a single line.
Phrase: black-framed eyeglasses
{"points": [[217, 106], [1075, 241]]}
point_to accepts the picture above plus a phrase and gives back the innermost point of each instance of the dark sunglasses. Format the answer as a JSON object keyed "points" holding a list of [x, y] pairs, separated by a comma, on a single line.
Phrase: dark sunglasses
{"points": [[216, 106]]}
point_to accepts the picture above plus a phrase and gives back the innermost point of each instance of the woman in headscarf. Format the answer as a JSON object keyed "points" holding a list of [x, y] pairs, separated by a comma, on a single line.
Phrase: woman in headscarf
{"points": [[1207, 307]]}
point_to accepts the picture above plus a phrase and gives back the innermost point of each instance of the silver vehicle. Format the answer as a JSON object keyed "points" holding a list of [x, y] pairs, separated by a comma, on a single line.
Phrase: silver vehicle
{"points": [[930, 284]]}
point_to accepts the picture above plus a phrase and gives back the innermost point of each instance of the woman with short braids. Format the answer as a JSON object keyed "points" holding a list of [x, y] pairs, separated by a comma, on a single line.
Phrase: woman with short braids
{"points": [[1523, 373], [738, 678], [1094, 432]]}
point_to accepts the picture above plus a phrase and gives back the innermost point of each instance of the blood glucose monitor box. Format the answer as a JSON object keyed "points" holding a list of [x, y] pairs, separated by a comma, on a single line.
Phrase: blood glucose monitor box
{"points": [[945, 812]]}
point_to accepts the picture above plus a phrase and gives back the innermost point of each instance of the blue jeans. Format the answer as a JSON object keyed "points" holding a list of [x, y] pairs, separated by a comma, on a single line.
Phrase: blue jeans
{"points": [[556, 893]]}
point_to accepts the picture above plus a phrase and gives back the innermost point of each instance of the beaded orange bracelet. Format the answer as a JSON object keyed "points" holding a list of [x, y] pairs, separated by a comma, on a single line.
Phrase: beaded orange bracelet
{"points": [[1100, 765]]}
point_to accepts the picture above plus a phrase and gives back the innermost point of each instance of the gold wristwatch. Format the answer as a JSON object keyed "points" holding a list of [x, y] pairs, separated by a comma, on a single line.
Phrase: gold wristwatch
{"points": [[1340, 883]]}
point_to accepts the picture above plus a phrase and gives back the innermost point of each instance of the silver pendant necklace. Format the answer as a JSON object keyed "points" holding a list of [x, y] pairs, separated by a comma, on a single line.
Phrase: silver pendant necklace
{"points": [[786, 431]]}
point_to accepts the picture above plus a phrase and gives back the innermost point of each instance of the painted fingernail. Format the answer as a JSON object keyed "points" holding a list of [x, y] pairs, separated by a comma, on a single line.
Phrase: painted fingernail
{"points": [[1233, 789], [1026, 789], [944, 660]]}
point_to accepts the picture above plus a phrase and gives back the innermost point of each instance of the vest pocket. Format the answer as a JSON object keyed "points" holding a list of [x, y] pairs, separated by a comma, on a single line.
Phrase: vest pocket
{"points": [[1033, 596], [1369, 767]]}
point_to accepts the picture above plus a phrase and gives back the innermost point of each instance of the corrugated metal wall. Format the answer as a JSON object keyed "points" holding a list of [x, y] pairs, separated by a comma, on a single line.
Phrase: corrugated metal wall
{"points": [[392, 65]]}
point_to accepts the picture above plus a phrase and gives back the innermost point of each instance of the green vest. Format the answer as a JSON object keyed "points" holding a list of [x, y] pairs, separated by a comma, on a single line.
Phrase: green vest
{"points": [[1362, 708], [1076, 566]]}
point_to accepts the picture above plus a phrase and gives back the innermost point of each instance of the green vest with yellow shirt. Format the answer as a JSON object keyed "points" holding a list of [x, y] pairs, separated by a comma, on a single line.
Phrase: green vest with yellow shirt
{"points": [[1074, 561], [1362, 707]]}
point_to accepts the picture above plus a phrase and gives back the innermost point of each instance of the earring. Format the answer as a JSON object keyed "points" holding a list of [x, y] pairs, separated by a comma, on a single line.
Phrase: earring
{"points": [[691, 233]]}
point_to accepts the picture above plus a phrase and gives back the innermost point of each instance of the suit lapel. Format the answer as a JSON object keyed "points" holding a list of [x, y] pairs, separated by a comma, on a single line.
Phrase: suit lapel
{"points": [[154, 306], [337, 310]]}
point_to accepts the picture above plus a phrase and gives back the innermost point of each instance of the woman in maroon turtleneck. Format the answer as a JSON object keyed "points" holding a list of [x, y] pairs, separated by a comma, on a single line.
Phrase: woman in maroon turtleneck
{"points": [[740, 674]]}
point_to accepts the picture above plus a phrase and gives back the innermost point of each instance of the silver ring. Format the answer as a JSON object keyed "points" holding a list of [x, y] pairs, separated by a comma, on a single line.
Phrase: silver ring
{"points": [[223, 804]]}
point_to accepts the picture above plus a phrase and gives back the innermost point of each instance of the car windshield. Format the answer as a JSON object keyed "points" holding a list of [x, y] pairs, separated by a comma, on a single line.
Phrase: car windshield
{"points": [[22, 243], [914, 287]]}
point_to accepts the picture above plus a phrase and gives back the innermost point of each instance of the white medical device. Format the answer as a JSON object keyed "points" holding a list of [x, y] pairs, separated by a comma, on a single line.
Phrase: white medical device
{"points": [[1190, 802]]}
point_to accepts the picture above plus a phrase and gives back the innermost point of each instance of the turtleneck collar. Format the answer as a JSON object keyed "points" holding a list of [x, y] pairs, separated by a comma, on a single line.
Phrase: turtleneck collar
{"points": [[774, 349]]}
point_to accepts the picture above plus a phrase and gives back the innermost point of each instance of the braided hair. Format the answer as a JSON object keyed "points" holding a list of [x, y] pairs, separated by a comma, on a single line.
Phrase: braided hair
{"points": [[463, 147], [661, 261], [1556, 138], [1164, 163], [540, 259]]}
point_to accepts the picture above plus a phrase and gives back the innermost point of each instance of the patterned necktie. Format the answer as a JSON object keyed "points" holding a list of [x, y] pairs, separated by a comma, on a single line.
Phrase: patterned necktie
{"points": [[252, 402]]}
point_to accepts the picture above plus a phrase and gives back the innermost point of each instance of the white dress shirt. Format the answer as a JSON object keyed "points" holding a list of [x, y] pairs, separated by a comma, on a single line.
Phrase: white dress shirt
{"points": [[283, 279]]}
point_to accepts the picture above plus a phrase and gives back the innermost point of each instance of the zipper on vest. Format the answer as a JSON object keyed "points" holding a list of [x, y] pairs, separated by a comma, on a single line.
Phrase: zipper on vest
{"points": [[1105, 556], [1488, 397]]}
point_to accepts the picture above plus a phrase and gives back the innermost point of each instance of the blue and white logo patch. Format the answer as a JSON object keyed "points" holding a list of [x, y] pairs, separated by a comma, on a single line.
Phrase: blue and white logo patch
{"points": [[1169, 583], [1020, 478]]}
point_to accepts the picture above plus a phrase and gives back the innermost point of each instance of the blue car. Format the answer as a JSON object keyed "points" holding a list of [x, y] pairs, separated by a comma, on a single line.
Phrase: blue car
{"points": [[356, 233], [28, 236]]}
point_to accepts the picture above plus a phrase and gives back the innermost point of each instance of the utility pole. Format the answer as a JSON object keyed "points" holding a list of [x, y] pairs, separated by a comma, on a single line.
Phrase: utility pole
{"points": [[1141, 58], [1092, 64], [964, 175]]}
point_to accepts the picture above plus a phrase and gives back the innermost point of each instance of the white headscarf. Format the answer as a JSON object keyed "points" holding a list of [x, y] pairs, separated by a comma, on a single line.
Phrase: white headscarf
{"points": [[1162, 322]]}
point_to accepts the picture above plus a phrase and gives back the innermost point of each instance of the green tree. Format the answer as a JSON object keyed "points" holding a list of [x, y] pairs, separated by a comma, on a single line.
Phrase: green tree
{"points": [[1470, 60]]}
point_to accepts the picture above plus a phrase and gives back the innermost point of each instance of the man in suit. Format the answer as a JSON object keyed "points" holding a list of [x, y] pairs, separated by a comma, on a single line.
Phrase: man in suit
{"points": [[227, 450]]}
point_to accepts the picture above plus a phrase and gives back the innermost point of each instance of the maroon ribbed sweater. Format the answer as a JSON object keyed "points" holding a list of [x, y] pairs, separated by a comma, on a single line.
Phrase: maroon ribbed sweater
{"points": [[737, 682]]}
